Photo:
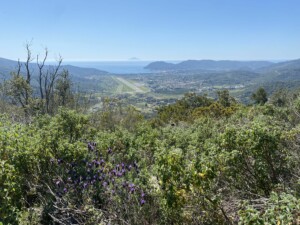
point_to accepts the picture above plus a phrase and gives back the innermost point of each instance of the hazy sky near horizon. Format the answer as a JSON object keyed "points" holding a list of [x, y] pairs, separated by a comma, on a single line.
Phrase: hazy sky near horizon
{"points": [[152, 29]]}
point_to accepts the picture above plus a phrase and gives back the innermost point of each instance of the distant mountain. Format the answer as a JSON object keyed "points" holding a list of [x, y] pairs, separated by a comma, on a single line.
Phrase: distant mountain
{"points": [[84, 72], [287, 65], [208, 65], [7, 66], [134, 59], [160, 65], [281, 72]]}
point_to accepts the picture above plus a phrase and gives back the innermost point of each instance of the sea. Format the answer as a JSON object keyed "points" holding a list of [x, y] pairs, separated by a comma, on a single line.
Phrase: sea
{"points": [[115, 67]]}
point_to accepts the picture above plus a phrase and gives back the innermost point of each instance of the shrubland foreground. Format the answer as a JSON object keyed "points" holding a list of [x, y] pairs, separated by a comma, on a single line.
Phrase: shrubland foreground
{"points": [[198, 161]]}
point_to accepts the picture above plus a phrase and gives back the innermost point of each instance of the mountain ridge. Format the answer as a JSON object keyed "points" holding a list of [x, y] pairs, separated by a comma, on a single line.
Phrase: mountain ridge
{"points": [[7, 66], [208, 65]]}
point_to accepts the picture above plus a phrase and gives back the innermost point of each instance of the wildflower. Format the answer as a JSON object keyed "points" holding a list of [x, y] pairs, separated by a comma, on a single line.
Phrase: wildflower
{"points": [[119, 174], [131, 188], [124, 184], [85, 185]]}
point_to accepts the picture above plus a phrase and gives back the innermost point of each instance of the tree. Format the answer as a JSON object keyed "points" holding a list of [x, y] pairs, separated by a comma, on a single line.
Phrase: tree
{"points": [[47, 79], [63, 89], [280, 98], [260, 96], [224, 98], [19, 87], [21, 90]]}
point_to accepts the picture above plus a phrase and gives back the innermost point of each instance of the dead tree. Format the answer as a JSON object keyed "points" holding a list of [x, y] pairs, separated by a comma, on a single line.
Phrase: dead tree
{"points": [[20, 86], [46, 79]]}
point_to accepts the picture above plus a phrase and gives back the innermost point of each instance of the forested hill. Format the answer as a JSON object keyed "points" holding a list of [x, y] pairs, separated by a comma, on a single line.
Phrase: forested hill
{"points": [[7, 66], [286, 65], [208, 65]]}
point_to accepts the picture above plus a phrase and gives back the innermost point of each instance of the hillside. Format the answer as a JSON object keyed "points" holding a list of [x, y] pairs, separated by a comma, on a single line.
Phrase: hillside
{"points": [[286, 65], [288, 71], [7, 66], [198, 161], [208, 65]]}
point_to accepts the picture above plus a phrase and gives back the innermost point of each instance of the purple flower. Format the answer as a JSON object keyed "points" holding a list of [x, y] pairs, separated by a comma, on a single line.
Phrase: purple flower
{"points": [[90, 147], [143, 194], [119, 174], [85, 185], [65, 190], [102, 161], [132, 190], [143, 201], [117, 166], [124, 184]]}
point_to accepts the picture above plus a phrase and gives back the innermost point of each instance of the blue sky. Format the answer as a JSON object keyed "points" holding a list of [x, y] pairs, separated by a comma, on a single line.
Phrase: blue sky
{"points": [[152, 29]]}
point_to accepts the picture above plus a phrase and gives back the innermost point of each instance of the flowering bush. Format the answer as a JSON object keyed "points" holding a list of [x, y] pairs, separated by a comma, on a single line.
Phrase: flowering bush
{"points": [[96, 182]]}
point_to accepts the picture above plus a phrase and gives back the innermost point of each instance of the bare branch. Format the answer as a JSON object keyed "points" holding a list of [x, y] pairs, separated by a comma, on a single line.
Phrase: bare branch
{"points": [[19, 68], [41, 66]]}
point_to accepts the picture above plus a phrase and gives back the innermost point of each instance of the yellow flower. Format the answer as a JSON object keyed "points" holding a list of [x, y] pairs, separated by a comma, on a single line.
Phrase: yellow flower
{"points": [[201, 175]]}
